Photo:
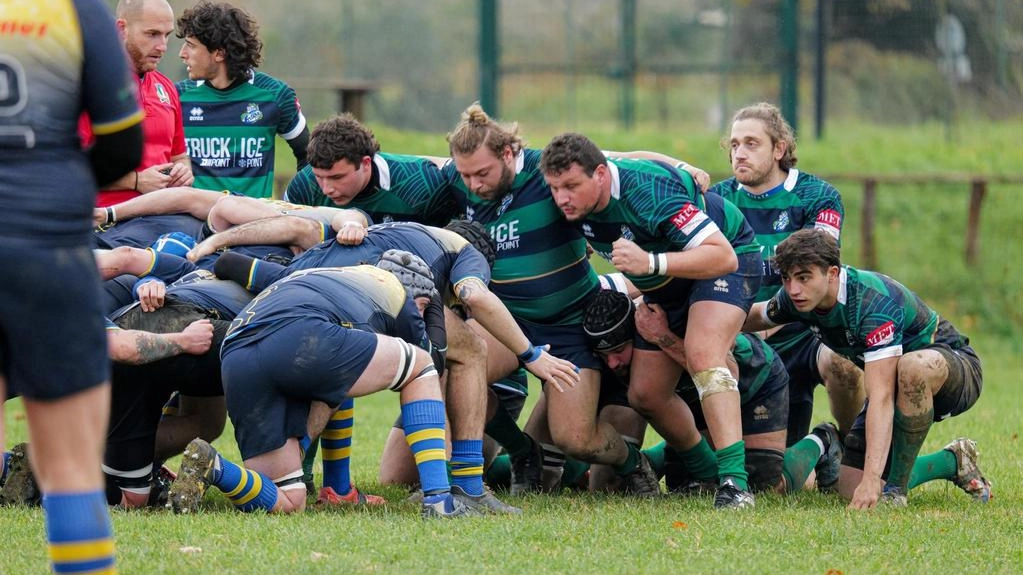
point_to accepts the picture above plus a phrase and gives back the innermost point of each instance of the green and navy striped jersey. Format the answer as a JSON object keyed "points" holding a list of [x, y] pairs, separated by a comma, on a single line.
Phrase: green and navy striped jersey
{"points": [[876, 317], [402, 189], [653, 205], [230, 134], [801, 201], [542, 273]]}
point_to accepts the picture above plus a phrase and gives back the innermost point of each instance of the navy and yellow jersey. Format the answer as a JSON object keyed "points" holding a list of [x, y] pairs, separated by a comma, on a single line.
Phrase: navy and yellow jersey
{"points": [[541, 273], [222, 299], [653, 205], [363, 297], [57, 59], [450, 257], [401, 189], [120, 291], [876, 317], [230, 134], [801, 201], [142, 231]]}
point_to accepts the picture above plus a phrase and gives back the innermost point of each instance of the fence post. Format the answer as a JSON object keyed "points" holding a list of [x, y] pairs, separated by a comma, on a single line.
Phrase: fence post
{"points": [[977, 190], [868, 254]]}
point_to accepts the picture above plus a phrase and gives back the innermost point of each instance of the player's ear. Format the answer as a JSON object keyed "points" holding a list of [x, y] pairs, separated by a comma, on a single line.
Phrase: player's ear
{"points": [[779, 150]]}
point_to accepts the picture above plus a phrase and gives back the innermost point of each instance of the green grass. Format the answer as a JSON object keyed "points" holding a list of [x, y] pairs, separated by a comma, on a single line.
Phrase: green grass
{"points": [[920, 235]]}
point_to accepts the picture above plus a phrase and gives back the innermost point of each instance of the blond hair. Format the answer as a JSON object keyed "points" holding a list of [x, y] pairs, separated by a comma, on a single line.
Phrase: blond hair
{"points": [[477, 129]]}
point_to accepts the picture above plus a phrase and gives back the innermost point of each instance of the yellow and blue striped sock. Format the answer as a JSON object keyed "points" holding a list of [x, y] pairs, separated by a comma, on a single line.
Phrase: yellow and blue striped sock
{"points": [[336, 446], [246, 489], [424, 433], [79, 534], [467, 465]]}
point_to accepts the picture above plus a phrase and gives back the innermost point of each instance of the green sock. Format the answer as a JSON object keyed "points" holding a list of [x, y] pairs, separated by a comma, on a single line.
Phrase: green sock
{"points": [[308, 460], [631, 460], [908, 434], [701, 461], [504, 430], [656, 456], [732, 463], [800, 459], [499, 472], [941, 464], [574, 469]]}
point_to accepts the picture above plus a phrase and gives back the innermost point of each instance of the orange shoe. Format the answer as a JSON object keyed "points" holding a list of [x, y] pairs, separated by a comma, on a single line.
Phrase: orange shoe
{"points": [[354, 497]]}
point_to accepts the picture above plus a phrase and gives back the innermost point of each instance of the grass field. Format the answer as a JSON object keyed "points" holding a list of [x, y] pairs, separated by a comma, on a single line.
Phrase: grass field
{"points": [[942, 531]]}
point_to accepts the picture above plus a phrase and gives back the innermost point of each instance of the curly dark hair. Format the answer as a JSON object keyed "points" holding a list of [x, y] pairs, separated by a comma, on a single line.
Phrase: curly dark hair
{"points": [[570, 148], [340, 138], [807, 248], [224, 27]]}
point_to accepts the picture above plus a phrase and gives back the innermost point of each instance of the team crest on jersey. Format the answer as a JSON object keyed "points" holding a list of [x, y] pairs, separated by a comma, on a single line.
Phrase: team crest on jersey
{"points": [[505, 202], [196, 114], [627, 233], [829, 221], [688, 218], [882, 335], [782, 223], [252, 113], [161, 93], [469, 213], [388, 219], [587, 230]]}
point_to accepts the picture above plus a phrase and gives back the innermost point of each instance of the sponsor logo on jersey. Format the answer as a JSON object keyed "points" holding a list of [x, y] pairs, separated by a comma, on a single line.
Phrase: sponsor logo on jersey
{"points": [[588, 230], [782, 223], [829, 221], [196, 114], [469, 213], [388, 219], [252, 114], [688, 218], [161, 93], [882, 335], [721, 285], [505, 202], [627, 233], [760, 413], [506, 236]]}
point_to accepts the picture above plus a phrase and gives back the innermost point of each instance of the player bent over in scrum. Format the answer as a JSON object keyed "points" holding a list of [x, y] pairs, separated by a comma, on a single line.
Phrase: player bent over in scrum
{"points": [[318, 335]]}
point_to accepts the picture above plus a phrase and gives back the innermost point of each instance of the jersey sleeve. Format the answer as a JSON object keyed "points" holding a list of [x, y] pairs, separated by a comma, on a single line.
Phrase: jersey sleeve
{"points": [[780, 309], [881, 333], [303, 189], [110, 95], [683, 223], [827, 212], [292, 121]]}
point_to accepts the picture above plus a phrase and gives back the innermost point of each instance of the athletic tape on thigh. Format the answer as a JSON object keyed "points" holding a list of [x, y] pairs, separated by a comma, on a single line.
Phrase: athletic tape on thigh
{"points": [[714, 380], [291, 481], [405, 364]]}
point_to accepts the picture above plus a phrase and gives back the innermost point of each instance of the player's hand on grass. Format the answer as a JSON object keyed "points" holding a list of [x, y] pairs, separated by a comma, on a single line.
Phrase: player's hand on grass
{"points": [[197, 337], [629, 258], [151, 294], [867, 493], [556, 371]]}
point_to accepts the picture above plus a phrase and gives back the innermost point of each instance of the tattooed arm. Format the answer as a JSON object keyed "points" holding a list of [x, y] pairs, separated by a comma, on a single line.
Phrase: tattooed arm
{"points": [[137, 347]]}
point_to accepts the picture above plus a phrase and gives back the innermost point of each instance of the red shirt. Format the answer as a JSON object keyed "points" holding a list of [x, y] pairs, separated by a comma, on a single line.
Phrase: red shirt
{"points": [[162, 128]]}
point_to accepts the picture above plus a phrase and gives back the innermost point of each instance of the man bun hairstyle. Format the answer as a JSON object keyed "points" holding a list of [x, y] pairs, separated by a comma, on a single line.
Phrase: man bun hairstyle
{"points": [[477, 236], [609, 320], [411, 271]]}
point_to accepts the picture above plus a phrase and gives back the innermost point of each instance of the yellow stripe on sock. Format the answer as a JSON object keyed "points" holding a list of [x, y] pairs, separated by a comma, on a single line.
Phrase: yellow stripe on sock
{"points": [[336, 454], [430, 455], [257, 486], [343, 414], [241, 485], [81, 550], [432, 433], [336, 434], [464, 471]]}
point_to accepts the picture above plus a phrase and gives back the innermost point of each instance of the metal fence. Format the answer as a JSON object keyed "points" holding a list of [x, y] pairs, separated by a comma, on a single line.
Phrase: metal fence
{"points": [[677, 64]]}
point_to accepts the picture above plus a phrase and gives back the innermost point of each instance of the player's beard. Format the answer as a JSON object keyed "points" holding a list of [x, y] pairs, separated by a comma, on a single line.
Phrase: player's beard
{"points": [[138, 59], [754, 177], [503, 186]]}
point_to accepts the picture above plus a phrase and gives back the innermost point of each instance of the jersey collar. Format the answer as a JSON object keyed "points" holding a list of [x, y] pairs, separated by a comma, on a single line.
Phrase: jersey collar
{"points": [[788, 185]]}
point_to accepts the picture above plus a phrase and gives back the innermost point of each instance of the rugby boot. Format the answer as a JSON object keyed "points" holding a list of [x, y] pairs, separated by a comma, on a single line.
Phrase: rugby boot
{"points": [[485, 504], [830, 462], [893, 496], [21, 487], [642, 482], [968, 476], [729, 496], [160, 490], [194, 477], [445, 506], [527, 471], [354, 497]]}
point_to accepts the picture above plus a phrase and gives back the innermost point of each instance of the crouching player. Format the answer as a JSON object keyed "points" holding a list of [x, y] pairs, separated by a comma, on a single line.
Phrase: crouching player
{"points": [[320, 335], [917, 368]]}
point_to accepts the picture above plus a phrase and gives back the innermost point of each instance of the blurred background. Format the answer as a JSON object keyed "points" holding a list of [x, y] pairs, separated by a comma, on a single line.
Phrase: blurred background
{"points": [[665, 64]]}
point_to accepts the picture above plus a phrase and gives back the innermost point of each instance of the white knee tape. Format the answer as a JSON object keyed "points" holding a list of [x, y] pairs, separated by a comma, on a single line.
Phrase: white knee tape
{"points": [[714, 380]]}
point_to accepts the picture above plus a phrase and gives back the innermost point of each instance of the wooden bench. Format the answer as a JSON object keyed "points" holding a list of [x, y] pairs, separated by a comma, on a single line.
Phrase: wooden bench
{"points": [[351, 94]]}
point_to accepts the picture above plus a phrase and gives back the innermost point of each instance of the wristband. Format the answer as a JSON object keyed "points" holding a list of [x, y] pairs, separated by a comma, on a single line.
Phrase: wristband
{"points": [[658, 264], [681, 166], [530, 355], [111, 215]]}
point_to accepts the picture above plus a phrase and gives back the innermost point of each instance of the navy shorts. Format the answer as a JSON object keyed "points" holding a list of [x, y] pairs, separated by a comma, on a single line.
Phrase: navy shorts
{"points": [[800, 357], [269, 383], [568, 342], [52, 332], [738, 288]]}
